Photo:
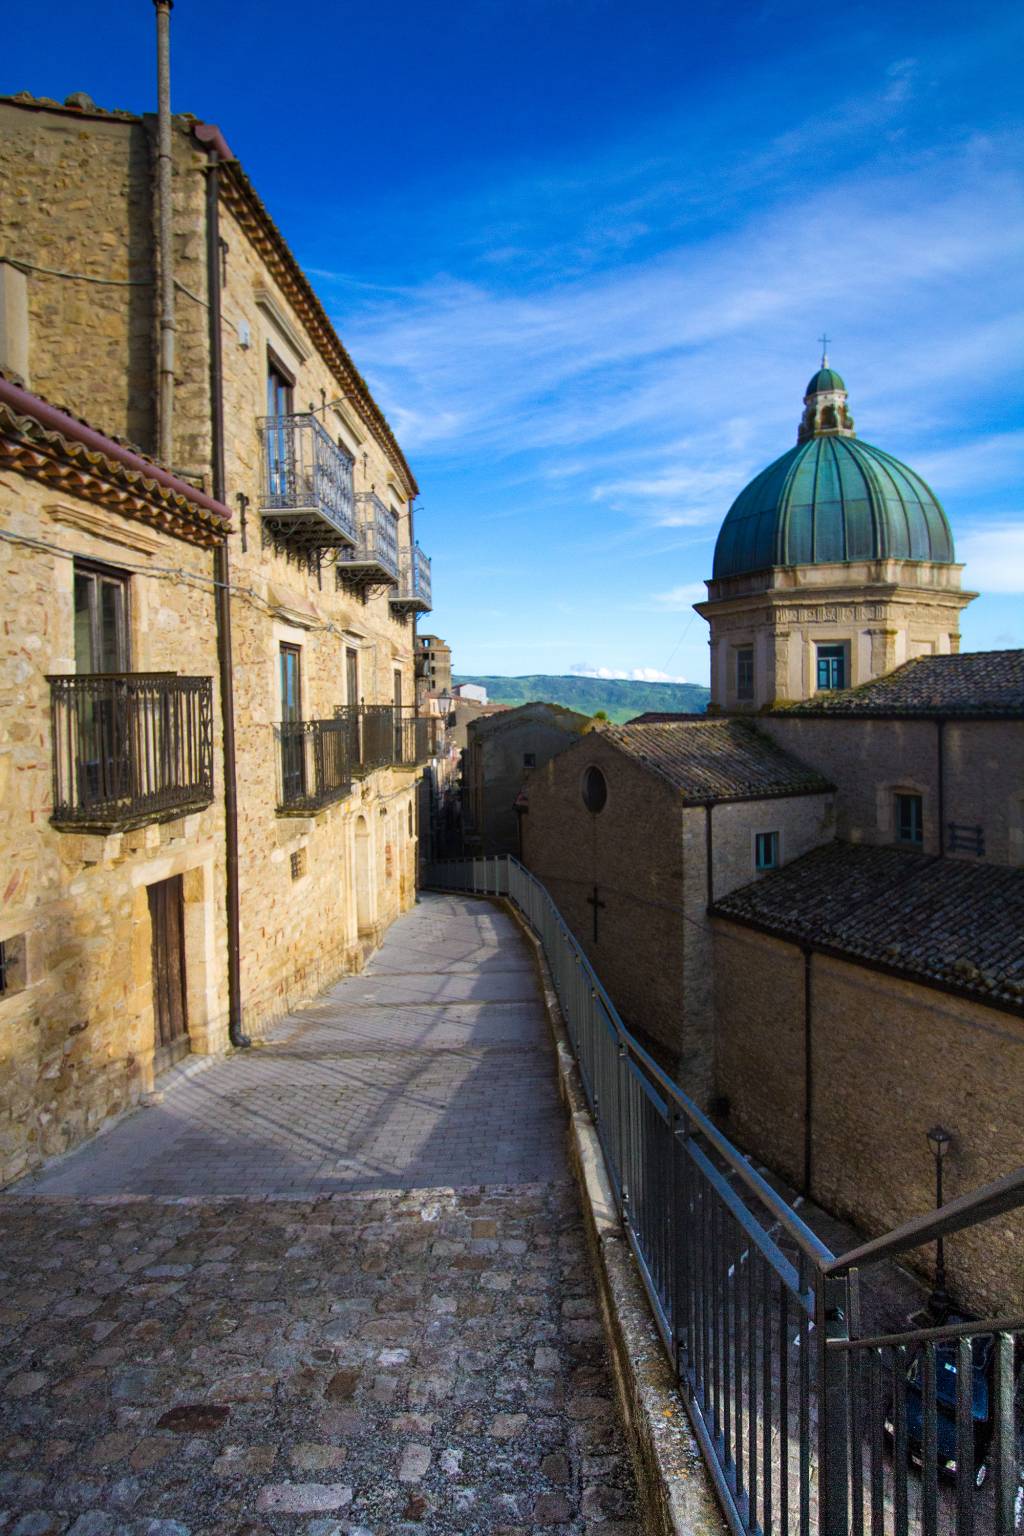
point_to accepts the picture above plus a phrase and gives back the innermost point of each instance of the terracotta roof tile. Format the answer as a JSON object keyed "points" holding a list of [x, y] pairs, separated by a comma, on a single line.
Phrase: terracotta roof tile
{"points": [[979, 683], [950, 921], [717, 759]]}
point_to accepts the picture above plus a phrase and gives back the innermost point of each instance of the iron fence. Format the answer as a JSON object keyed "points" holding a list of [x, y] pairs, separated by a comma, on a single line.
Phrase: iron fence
{"points": [[129, 748], [377, 549], [804, 1425], [314, 765], [387, 736], [414, 590], [306, 492]]}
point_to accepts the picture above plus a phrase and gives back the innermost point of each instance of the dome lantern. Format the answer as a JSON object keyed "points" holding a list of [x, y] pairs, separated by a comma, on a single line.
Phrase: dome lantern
{"points": [[825, 409]]}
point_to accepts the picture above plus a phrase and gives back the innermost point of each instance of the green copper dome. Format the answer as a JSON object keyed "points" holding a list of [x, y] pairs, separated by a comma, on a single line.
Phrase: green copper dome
{"points": [[832, 498], [825, 378]]}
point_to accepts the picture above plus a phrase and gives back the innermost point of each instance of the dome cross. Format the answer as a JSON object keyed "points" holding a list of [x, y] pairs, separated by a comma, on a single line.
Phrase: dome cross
{"points": [[824, 348]]}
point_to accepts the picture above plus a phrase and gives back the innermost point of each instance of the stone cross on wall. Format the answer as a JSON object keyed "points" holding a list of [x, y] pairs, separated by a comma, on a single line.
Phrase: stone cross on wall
{"points": [[595, 902]]}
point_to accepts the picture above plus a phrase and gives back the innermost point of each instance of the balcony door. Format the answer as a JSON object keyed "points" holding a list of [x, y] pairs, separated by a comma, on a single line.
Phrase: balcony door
{"points": [[170, 1012], [293, 761], [101, 619], [280, 437], [102, 745]]}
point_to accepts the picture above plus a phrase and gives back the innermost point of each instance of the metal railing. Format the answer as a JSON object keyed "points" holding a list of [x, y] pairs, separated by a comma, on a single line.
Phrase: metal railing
{"points": [[129, 748], [377, 547], [756, 1313], [414, 582], [314, 765], [387, 736], [305, 482]]}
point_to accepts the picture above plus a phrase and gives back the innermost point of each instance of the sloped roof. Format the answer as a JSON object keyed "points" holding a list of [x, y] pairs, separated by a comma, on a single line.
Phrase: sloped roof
{"points": [[973, 683], [712, 760], [942, 921], [666, 716], [51, 445]]}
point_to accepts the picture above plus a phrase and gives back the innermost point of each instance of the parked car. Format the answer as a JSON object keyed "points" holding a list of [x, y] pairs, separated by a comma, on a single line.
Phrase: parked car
{"points": [[982, 1352]]}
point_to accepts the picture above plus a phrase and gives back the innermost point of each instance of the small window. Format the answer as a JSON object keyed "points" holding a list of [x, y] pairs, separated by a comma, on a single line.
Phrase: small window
{"points": [[298, 862], [745, 672], [831, 666], [910, 820], [595, 791], [529, 759], [766, 850], [412, 821], [12, 965]]}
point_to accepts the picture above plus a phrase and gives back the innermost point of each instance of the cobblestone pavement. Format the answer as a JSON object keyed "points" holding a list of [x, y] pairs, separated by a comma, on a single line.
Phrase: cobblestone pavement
{"points": [[305, 1354]]}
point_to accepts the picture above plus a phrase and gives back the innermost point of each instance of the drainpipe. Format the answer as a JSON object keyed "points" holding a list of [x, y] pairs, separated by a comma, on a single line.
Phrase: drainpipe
{"points": [[808, 1075], [709, 853], [213, 142], [941, 781], [165, 235]]}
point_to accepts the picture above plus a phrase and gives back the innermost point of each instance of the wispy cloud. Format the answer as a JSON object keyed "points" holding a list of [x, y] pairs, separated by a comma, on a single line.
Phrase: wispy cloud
{"points": [[628, 674], [994, 557]]}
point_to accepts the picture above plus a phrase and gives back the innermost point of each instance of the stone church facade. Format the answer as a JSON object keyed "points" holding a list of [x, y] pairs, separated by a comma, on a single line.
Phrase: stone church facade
{"points": [[312, 536], [829, 953]]}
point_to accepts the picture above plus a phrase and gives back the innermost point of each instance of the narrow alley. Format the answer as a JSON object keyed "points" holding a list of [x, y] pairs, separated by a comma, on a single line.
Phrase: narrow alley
{"points": [[336, 1284]]}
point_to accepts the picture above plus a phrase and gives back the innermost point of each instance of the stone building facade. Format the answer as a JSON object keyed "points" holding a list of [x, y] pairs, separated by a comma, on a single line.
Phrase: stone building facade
{"points": [[504, 748], [325, 576], [863, 996], [635, 830], [433, 665], [79, 1033]]}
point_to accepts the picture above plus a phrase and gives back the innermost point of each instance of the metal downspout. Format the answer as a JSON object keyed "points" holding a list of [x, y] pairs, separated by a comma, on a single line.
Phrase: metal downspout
{"points": [[940, 755], [165, 236], [808, 1074], [236, 1033]]}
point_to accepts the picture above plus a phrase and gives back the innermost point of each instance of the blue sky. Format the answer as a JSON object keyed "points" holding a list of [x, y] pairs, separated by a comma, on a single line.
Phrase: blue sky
{"points": [[582, 250]]}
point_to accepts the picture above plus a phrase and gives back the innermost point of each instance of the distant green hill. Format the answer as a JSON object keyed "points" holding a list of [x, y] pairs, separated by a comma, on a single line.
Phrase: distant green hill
{"points": [[620, 699]]}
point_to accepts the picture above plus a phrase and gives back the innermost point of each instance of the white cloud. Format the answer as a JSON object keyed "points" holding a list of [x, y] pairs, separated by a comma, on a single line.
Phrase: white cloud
{"points": [[682, 597], [994, 557], [633, 674]]}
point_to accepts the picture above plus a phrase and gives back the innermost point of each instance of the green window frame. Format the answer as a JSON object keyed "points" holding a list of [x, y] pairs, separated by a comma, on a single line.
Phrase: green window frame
{"points": [[910, 820], [766, 850], [831, 661]]}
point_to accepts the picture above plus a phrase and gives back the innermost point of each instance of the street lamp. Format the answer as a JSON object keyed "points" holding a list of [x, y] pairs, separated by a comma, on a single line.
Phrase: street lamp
{"points": [[939, 1140]]}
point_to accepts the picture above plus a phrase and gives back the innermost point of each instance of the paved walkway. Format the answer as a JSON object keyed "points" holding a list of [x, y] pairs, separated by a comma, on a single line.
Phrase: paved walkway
{"points": [[335, 1284]]}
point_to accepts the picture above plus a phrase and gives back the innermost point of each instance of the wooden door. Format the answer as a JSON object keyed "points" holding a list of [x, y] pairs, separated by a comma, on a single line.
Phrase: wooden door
{"points": [[170, 1012]]}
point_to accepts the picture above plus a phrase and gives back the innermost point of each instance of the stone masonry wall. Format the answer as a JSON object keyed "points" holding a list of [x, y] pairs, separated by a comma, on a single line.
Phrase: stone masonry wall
{"points": [[633, 852], [497, 773], [75, 195], [91, 347], [868, 760], [890, 1059], [77, 1041]]}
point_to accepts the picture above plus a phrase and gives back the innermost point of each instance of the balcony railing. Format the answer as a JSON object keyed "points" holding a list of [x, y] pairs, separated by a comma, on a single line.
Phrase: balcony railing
{"points": [[413, 592], [314, 765], [374, 560], [129, 748], [306, 492], [808, 1421], [386, 736]]}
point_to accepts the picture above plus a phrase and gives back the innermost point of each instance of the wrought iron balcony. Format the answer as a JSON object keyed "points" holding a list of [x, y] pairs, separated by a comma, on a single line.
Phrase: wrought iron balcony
{"points": [[413, 592], [374, 560], [314, 765], [129, 748], [383, 736], [306, 492]]}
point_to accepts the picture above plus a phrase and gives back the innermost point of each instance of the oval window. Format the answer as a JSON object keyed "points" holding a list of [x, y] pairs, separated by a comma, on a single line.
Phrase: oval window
{"points": [[595, 790]]}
